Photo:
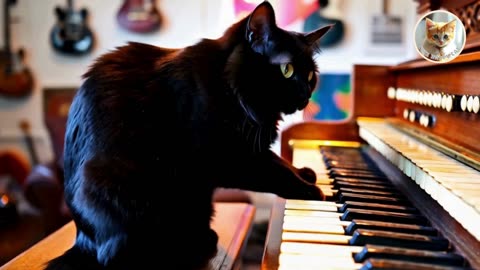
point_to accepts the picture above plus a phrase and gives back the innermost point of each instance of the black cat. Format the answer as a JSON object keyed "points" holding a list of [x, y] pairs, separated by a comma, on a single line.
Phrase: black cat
{"points": [[188, 120]]}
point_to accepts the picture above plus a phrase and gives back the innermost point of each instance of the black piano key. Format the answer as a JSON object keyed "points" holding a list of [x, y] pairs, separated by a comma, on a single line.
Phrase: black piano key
{"points": [[363, 237], [407, 254], [345, 196], [370, 191], [396, 217], [353, 174], [382, 264], [330, 164], [389, 226], [372, 171], [376, 206], [339, 184], [364, 181], [368, 170]]}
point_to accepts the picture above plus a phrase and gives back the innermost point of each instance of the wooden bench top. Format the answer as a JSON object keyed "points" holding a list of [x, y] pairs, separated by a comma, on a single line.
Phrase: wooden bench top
{"points": [[233, 222]]}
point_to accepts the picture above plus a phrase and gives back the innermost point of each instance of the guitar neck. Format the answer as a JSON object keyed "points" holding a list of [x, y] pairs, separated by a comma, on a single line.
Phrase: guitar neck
{"points": [[6, 25], [25, 126]]}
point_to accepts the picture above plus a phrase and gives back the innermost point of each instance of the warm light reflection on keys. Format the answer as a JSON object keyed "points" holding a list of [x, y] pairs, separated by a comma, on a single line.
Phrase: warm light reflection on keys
{"points": [[316, 238]]}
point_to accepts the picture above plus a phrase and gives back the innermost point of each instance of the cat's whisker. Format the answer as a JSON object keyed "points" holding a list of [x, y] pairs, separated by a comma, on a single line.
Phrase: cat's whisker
{"points": [[260, 139], [255, 140]]}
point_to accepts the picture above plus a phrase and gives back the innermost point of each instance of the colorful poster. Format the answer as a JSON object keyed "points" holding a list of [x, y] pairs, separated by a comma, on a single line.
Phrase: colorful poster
{"points": [[332, 100], [286, 11]]}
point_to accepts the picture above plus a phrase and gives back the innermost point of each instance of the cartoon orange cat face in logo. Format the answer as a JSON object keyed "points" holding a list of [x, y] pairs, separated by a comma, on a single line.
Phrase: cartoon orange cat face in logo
{"points": [[440, 33]]}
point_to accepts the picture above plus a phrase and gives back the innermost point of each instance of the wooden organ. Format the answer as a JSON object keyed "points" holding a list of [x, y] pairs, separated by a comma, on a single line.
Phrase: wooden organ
{"points": [[402, 175]]}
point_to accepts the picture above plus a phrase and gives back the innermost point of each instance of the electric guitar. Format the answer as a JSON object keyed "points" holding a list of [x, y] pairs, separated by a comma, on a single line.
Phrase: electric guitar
{"points": [[71, 34], [16, 80], [139, 16]]}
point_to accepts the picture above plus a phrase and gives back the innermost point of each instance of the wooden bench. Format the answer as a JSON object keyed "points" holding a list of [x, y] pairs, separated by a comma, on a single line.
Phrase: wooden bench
{"points": [[233, 222]]}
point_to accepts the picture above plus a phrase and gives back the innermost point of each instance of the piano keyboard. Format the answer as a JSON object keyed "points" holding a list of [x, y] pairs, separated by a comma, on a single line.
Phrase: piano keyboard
{"points": [[365, 223], [454, 185]]}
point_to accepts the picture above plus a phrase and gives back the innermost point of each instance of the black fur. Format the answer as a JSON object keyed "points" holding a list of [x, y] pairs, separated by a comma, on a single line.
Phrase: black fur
{"points": [[185, 120]]}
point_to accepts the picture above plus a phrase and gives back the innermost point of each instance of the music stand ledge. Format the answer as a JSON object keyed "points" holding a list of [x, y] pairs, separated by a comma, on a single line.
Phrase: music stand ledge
{"points": [[233, 223]]}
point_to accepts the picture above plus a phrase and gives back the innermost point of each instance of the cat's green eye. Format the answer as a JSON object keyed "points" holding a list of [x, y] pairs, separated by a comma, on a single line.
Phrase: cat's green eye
{"points": [[287, 70], [445, 37], [435, 36], [310, 75]]}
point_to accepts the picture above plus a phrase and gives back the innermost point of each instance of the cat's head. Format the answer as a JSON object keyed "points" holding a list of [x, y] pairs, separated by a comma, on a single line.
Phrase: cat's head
{"points": [[273, 71], [440, 33]]}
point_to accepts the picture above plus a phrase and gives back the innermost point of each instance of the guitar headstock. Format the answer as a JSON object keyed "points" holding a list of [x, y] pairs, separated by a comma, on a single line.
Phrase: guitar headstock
{"points": [[10, 2]]}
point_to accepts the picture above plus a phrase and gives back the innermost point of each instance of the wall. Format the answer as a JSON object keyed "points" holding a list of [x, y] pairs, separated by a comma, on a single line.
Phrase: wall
{"points": [[187, 21]]}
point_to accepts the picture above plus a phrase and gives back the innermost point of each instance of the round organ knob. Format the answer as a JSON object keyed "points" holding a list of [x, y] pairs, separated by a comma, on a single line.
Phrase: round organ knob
{"points": [[463, 103], [444, 101], [470, 103], [426, 120], [476, 104], [412, 116], [391, 93], [422, 119], [406, 114], [437, 100], [430, 99]]}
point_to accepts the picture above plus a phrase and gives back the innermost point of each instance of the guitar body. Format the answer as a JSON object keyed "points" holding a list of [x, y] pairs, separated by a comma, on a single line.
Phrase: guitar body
{"points": [[16, 80], [139, 16], [71, 34]]}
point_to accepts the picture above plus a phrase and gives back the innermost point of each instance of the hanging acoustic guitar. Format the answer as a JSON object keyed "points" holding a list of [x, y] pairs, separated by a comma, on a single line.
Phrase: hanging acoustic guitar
{"points": [[71, 34], [139, 16], [16, 80]]}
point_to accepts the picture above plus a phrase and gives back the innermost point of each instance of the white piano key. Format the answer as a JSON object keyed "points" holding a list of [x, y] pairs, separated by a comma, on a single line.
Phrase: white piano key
{"points": [[317, 249], [308, 202], [313, 227], [293, 212], [316, 238], [320, 262], [330, 207], [311, 219]]}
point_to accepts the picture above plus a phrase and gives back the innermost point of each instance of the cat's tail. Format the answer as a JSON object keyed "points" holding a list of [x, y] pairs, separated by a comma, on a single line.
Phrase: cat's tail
{"points": [[74, 259]]}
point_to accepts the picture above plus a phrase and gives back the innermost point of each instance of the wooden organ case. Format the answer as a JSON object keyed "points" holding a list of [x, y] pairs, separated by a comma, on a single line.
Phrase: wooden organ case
{"points": [[402, 175]]}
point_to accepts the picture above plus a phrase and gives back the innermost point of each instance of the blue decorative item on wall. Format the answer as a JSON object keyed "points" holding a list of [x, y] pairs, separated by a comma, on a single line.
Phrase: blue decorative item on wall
{"points": [[331, 100]]}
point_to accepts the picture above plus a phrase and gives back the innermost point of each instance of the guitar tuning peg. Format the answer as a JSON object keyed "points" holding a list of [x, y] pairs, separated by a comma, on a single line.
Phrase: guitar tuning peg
{"points": [[11, 2]]}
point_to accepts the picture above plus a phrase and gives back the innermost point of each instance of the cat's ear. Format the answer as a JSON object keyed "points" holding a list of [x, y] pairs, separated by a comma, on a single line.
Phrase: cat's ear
{"points": [[451, 25], [314, 36], [429, 23], [260, 26]]}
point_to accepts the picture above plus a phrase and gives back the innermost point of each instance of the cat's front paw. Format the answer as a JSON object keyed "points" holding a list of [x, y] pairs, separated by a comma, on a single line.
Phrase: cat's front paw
{"points": [[308, 175], [312, 192], [305, 192]]}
